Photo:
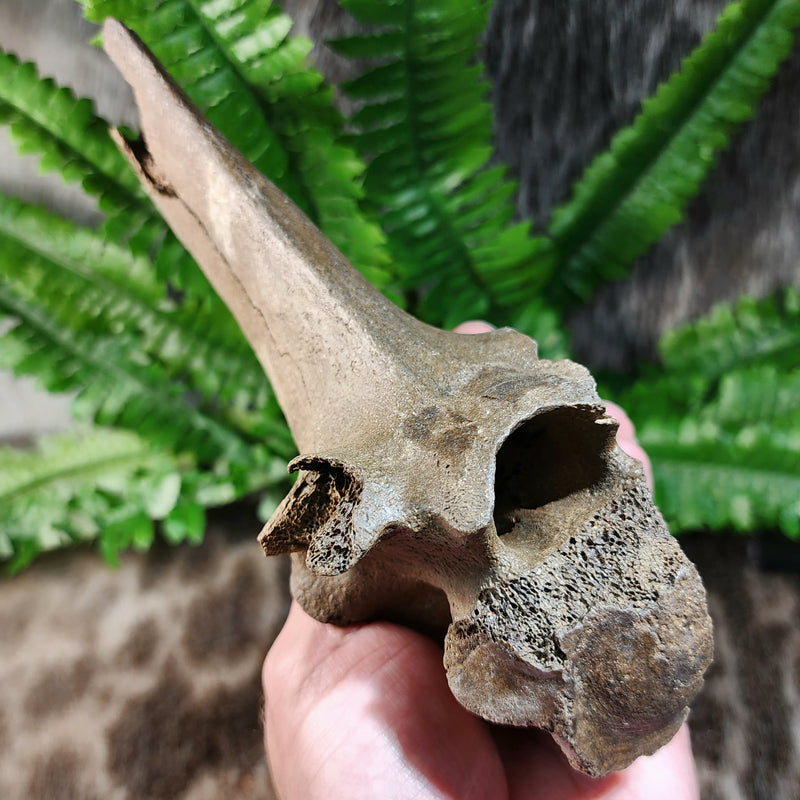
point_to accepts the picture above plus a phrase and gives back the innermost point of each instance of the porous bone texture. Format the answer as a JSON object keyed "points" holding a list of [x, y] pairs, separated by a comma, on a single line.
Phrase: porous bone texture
{"points": [[603, 643]]}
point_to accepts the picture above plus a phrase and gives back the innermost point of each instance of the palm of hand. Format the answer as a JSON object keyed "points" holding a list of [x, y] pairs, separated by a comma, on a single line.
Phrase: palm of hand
{"points": [[365, 712]]}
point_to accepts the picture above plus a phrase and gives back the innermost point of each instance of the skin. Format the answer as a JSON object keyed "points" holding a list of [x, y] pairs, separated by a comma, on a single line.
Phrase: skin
{"points": [[365, 713]]}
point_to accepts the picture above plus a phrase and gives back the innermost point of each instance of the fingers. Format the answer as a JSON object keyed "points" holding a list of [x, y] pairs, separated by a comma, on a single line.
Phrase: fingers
{"points": [[537, 770], [668, 774], [365, 712], [474, 326], [626, 439]]}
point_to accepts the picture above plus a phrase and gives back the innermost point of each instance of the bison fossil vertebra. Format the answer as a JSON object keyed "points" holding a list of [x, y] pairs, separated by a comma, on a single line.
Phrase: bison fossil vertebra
{"points": [[458, 484]]}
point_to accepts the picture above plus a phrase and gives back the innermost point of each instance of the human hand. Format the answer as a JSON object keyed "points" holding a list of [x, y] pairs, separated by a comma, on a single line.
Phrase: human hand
{"points": [[365, 713]]}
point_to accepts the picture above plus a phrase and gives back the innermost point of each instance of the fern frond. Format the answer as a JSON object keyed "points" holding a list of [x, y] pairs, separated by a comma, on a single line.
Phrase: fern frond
{"points": [[710, 477], [85, 485], [78, 248], [750, 332], [631, 194], [217, 464], [84, 282], [425, 129], [49, 121], [760, 392], [114, 390], [730, 340], [104, 485], [235, 60], [721, 419]]}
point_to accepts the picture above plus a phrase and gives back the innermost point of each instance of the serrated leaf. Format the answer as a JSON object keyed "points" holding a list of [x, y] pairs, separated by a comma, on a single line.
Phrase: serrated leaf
{"points": [[87, 284], [187, 521], [50, 121], [49, 497], [721, 418], [718, 480], [113, 389], [631, 194], [425, 129]]}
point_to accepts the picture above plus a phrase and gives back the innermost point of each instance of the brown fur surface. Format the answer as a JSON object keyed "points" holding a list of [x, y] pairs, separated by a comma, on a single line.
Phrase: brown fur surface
{"points": [[746, 722], [142, 681]]}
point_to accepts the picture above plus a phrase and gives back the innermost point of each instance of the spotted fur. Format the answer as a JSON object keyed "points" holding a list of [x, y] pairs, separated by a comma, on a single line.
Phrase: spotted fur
{"points": [[141, 682]]}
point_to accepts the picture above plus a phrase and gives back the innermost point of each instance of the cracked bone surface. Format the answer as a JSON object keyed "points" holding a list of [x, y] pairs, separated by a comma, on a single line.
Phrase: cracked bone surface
{"points": [[457, 484]]}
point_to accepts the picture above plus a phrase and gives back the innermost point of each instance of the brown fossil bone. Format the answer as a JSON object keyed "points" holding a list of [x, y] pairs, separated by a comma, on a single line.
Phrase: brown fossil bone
{"points": [[455, 483]]}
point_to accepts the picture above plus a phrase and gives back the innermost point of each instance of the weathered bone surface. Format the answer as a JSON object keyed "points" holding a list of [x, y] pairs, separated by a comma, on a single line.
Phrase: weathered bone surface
{"points": [[458, 484]]}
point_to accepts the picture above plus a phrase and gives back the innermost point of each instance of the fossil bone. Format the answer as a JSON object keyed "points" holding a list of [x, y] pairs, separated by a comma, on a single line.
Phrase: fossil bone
{"points": [[458, 484]]}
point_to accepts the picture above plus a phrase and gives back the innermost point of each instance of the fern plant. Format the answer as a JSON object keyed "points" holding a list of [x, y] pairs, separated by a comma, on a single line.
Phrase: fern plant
{"points": [[181, 415], [721, 418]]}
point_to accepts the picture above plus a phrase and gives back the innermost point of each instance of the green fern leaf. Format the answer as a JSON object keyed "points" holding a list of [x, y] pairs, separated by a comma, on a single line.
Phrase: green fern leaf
{"points": [[217, 465], [425, 129], [49, 121], [751, 332], [631, 194], [80, 486], [80, 249], [760, 392], [109, 486], [730, 341], [721, 418], [708, 477], [115, 390], [83, 282]]}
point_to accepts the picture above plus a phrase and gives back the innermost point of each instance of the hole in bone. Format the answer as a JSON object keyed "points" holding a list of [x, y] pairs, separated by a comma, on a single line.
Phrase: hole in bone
{"points": [[418, 605], [548, 458]]}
